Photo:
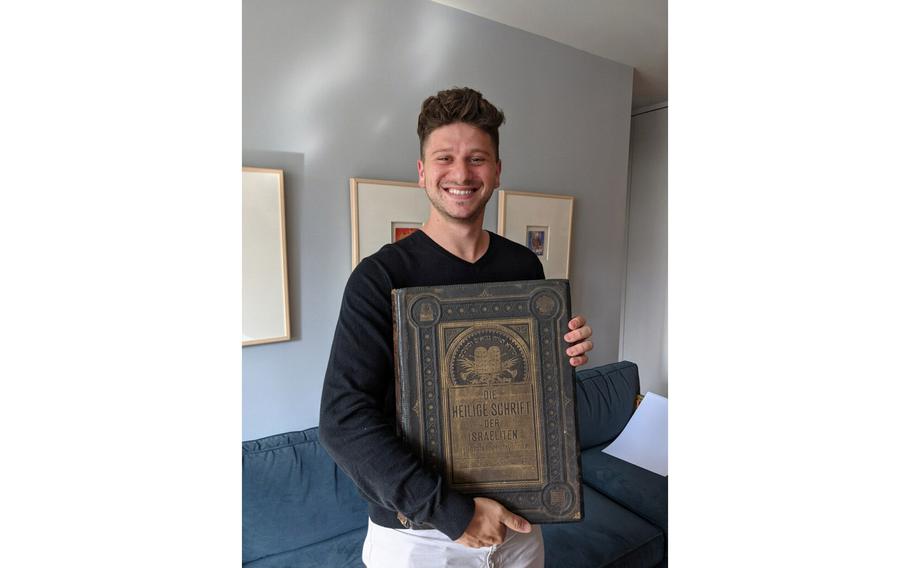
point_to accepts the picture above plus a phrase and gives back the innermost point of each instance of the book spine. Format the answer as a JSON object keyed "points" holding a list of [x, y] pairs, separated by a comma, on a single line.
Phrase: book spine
{"points": [[401, 411], [398, 394]]}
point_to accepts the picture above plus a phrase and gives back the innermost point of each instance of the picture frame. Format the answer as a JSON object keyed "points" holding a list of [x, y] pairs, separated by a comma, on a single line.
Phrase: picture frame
{"points": [[266, 313], [382, 212], [543, 223]]}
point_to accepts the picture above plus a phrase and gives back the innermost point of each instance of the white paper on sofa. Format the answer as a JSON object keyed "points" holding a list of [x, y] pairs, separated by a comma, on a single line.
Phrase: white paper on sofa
{"points": [[643, 441]]}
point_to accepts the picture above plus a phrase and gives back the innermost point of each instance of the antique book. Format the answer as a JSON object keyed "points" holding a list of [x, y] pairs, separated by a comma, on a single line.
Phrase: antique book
{"points": [[485, 394]]}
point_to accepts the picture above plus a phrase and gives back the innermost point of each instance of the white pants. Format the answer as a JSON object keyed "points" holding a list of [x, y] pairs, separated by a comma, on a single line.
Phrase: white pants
{"points": [[406, 548]]}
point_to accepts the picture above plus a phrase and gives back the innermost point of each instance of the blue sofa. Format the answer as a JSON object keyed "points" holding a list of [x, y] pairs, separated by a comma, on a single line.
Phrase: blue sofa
{"points": [[300, 510]]}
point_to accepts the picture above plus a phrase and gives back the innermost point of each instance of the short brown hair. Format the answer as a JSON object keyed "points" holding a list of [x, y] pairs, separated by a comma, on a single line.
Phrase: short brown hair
{"points": [[459, 104]]}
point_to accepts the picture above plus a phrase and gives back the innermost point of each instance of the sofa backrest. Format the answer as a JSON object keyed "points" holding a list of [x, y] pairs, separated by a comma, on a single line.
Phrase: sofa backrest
{"points": [[605, 398], [294, 495]]}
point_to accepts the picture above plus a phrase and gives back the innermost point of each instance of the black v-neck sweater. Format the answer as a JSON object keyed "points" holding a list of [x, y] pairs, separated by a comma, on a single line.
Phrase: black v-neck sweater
{"points": [[357, 416]]}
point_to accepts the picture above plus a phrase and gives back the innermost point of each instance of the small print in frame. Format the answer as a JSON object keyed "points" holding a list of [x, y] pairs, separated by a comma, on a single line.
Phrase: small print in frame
{"points": [[543, 223], [537, 240], [402, 230]]}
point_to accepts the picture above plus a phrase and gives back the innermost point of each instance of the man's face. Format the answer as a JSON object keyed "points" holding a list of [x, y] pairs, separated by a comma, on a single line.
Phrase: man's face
{"points": [[459, 170]]}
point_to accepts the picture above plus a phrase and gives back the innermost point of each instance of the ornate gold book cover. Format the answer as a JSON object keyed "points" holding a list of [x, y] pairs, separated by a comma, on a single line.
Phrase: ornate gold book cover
{"points": [[485, 393]]}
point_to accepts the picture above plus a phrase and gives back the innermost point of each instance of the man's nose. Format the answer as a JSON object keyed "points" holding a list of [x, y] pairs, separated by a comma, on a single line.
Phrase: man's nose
{"points": [[460, 172]]}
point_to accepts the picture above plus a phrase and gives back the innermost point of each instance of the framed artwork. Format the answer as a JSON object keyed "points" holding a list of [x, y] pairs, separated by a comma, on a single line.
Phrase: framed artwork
{"points": [[266, 316], [402, 230], [543, 223], [383, 212]]}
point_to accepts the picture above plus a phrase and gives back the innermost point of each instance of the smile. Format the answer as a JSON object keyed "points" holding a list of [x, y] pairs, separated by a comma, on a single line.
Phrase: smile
{"points": [[460, 192]]}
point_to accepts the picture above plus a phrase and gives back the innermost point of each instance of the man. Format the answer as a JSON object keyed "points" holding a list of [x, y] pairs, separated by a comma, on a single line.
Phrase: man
{"points": [[415, 520]]}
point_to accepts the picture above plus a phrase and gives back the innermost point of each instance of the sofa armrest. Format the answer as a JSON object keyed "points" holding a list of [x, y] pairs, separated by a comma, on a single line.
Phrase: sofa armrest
{"points": [[641, 491], [294, 496], [605, 401]]}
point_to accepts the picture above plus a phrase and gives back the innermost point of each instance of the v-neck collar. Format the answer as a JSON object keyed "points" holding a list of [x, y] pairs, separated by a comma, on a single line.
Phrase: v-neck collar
{"points": [[442, 250]]}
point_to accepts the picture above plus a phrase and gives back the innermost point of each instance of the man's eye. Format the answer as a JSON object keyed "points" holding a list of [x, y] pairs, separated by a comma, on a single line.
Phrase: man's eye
{"points": [[476, 160], [443, 158]]}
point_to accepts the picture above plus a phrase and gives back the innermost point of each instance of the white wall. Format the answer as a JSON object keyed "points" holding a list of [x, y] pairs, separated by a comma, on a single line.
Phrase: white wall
{"points": [[644, 337], [332, 89]]}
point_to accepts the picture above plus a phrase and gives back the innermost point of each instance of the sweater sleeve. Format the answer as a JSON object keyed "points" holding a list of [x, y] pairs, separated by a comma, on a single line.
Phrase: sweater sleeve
{"points": [[354, 425]]}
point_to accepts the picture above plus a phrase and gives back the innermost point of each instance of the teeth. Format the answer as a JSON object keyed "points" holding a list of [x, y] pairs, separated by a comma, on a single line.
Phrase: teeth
{"points": [[461, 191]]}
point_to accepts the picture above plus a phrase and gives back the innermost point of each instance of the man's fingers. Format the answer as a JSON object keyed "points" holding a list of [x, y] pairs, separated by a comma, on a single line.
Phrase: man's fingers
{"points": [[517, 523], [576, 322], [580, 348], [477, 542], [577, 361], [578, 334]]}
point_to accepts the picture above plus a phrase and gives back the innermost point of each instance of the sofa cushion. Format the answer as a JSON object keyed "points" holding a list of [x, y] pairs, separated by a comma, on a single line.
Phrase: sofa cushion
{"points": [[609, 535], [641, 491], [294, 495], [342, 551], [605, 401]]}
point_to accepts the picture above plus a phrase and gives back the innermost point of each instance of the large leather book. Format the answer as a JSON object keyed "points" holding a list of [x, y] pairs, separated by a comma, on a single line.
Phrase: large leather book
{"points": [[485, 393]]}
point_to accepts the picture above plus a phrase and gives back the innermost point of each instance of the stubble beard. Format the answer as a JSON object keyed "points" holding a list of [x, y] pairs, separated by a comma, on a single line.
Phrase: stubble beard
{"points": [[439, 206]]}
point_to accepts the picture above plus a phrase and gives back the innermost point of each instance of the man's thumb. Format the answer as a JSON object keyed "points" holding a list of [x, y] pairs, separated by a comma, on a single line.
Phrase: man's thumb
{"points": [[517, 523]]}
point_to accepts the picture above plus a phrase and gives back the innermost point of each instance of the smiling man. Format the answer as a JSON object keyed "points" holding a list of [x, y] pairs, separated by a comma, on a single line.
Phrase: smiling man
{"points": [[415, 520]]}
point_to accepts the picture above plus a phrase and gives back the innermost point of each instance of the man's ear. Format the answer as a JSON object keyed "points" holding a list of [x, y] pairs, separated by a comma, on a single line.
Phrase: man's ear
{"points": [[421, 179], [498, 172]]}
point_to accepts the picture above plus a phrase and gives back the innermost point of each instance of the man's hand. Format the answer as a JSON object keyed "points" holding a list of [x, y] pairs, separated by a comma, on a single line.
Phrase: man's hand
{"points": [[579, 338], [488, 527]]}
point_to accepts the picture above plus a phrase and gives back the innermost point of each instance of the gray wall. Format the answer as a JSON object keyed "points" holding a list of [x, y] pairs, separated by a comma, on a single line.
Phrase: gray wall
{"points": [[341, 82], [644, 338]]}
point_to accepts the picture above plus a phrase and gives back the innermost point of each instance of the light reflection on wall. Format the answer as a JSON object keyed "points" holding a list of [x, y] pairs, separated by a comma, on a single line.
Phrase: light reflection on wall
{"points": [[381, 124], [339, 74], [321, 77], [431, 48]]}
